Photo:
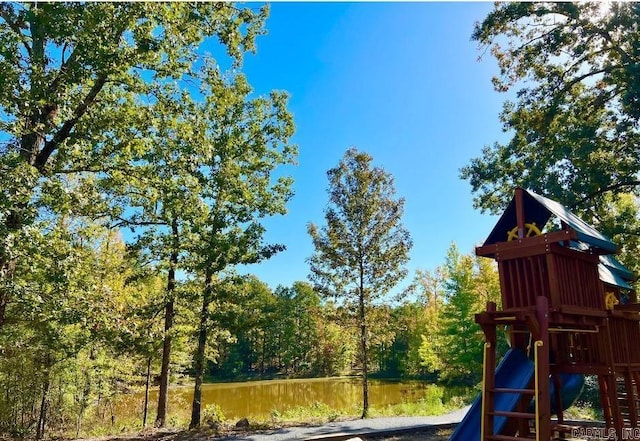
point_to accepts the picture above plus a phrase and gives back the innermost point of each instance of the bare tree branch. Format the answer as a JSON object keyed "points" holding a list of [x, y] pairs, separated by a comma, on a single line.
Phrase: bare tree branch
{"points": [[62, 134], [616, 186]]}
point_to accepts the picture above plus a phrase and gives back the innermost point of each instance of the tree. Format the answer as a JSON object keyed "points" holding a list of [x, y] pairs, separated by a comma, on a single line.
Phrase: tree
{"points": [[297, 318], [92, 91], [575, 126], [163, 201], [470, 283], [242, 144], [431, 285], [74, 96], [361, 251]]}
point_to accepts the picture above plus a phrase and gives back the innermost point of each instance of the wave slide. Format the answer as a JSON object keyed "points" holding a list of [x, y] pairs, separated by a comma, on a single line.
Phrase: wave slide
{"points": [[515, 371]]}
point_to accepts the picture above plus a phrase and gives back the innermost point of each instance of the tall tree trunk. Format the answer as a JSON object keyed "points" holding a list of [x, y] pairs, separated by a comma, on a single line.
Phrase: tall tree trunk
{"points": [[163, 395], [207, 296], [7, 268], [365, 364], [365, 355], [42, 418], [32, 139], [146, 394]]}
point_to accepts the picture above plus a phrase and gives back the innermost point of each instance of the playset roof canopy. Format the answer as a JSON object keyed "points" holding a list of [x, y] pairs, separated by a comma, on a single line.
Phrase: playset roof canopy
{"points": [[538, 210]]}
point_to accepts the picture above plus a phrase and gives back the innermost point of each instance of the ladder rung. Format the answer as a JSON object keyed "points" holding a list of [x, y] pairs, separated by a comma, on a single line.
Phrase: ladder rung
{"points": [[513, 414], [506, 390], [563, 427]]}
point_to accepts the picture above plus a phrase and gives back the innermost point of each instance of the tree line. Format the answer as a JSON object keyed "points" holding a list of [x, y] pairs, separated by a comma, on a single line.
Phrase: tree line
{"points": [[115, 118], [431, 334], [70, 354]]}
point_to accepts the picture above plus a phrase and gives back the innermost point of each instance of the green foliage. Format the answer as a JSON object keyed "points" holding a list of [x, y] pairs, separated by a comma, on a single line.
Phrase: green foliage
{"points": [[452, 342], [111, 115], [286, 332], [362, 249], [431, 285], [618, 217], [471, 282], [401, 356], [67, 331], [336, 350], [212, 414], [430, 404], [574, 127], [317, 412], [79, 90]]}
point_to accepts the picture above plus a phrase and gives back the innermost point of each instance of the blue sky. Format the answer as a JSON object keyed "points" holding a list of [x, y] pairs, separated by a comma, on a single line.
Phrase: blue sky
{"points": [[401, 81]]}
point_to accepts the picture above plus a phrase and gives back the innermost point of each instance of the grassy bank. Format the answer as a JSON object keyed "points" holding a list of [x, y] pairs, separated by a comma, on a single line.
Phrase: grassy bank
{"points": [[435, 400]]}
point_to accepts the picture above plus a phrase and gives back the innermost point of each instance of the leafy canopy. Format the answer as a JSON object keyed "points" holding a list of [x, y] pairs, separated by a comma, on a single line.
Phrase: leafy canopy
{"points": [[574, 127], [363, 247], [79, 88]]}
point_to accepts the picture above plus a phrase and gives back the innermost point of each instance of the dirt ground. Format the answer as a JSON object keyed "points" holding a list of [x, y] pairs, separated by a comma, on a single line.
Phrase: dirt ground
{"points": [[423, 435]]}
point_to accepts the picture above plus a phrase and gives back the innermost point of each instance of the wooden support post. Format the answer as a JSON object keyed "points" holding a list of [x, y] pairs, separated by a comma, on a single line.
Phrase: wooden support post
{"points": [[488, 377], [557, 397], [520, 219], [610, 380], [490, 329], [488, 385], [554, 280], [616, 415], [636, 392], [605, 400], [543, 402]]}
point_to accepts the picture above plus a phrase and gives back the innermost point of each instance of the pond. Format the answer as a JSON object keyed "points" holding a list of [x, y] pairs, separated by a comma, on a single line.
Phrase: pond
{"points": [[258, 399]]}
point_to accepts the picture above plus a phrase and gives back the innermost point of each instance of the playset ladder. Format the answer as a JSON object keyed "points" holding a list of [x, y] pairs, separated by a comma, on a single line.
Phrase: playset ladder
{"points": [[609, 401], [619, 396], [626, 399], [527, 425], [519, 421]]}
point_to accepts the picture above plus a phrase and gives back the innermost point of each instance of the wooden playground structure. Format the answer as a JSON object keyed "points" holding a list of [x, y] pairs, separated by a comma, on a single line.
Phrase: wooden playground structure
{"points": [[569, 307]]}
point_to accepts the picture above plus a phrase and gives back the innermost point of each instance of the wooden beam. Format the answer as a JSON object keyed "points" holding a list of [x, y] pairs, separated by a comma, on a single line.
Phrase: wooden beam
{"points": [[543, 239], [541, 346], [631, 307]]}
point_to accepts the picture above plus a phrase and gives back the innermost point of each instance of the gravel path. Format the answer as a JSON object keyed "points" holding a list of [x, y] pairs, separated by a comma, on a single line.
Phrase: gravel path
{"points": [[340, 430]]}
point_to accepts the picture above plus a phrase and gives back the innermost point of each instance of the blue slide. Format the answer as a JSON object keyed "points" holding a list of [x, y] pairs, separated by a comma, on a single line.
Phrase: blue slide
{"points": [[572, 385], [515, 371]]}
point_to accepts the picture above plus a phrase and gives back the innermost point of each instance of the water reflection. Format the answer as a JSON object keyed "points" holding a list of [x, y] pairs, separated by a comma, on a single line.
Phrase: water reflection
{"points": [[257, 399]]}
